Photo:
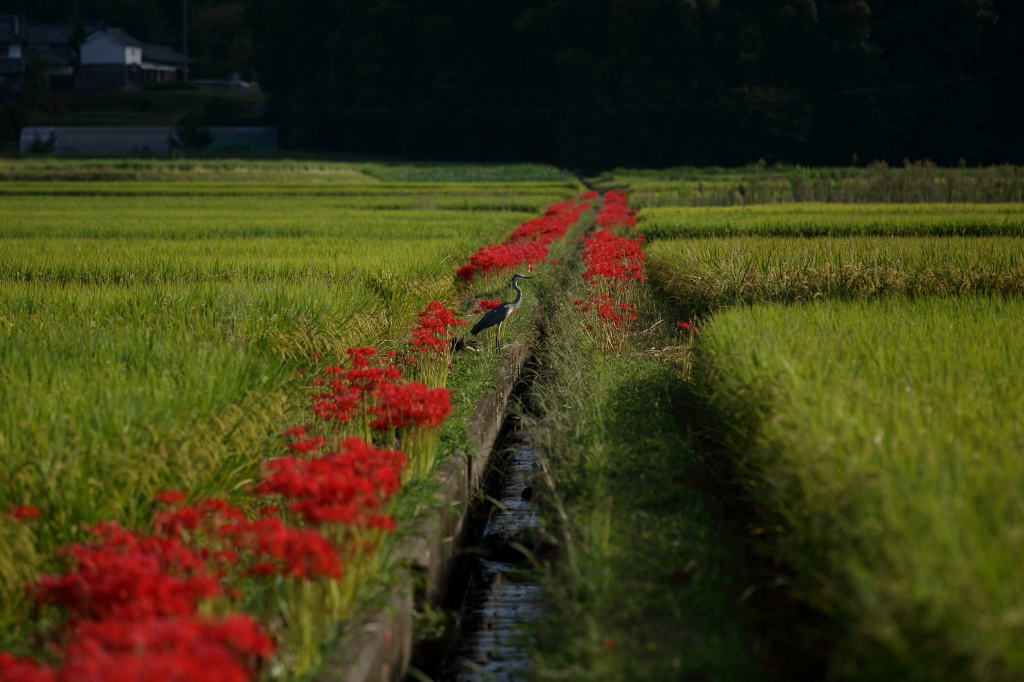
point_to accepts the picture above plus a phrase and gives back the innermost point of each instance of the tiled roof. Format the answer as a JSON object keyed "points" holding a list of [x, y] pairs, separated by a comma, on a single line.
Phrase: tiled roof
{"points": [[118, 34], [161, 54]]}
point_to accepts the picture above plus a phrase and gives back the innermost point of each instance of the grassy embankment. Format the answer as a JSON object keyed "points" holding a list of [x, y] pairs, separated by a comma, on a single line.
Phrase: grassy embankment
{"points": [[878, 437], [647, 582], [158, 348]]}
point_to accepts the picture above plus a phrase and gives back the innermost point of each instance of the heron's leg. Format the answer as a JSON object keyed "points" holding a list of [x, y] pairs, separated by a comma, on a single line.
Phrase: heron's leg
{"points": [[497, 335]]}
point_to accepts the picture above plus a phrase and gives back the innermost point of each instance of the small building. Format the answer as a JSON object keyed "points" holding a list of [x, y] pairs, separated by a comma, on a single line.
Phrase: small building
{"points": [[47, 54], [111, 58]]}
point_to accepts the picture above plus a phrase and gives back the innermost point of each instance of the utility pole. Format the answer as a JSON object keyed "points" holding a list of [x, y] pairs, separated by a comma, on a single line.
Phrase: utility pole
{"points": [[184, 34]]}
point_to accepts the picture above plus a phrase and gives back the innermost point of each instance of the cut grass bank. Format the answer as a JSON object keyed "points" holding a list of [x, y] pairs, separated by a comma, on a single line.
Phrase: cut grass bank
{"points": [[882, 439], [647, 585], [702, 275], [835, 220]]}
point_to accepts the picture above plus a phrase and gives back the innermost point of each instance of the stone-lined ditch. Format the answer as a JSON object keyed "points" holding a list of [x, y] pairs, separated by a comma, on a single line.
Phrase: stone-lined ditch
{"points": [[495, 594]]}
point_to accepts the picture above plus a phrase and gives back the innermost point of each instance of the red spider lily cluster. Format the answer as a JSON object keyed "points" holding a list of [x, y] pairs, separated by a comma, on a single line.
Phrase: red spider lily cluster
{"points": [[528, 244], [184, 648], [615, 211], [613, 264], [349, 390], [613, 259], [133, 602], [376, 395], [433, 333], [24, 512], [607, 309], [133, 599], [401, 406], [483, 305], [688, 327], [349, 486]]}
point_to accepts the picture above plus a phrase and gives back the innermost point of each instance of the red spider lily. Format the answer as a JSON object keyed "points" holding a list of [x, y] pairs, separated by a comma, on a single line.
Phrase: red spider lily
{"points": [[296, 431], [615, 211], [686, 326], [25, 511], [400, 406], [607, 309], [166, 649], [360, 357], [208, 515], [23, 670], [347, 486], [589, 194], [613, 258], [280, 550], [486, 304], [267, 544], [128, 576], [170, 497], [434, 331], [349, 389], [527, 245]]}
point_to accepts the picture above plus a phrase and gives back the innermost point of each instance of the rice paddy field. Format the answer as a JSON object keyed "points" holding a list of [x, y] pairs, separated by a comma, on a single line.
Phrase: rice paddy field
{"points": [[858, 368], [884, 436], [918, 182], [836, 220], [154, 341], [779, 438]]}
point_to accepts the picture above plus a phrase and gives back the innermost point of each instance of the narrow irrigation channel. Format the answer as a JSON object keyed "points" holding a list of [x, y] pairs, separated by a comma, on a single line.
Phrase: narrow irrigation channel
{"points": [[493, 589]]}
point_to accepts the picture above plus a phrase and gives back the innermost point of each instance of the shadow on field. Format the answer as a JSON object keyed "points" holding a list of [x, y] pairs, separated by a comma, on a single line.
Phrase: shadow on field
{"points": [[790, 640]]}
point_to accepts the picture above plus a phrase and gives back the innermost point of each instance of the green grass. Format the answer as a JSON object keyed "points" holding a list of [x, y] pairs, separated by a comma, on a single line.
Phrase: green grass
{"points": [[829, 220], [883, 438], [702, 275], [646, 585]]}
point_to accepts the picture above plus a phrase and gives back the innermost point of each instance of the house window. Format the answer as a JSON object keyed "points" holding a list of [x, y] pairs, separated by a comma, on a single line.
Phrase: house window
{"points": [[14, 50]]}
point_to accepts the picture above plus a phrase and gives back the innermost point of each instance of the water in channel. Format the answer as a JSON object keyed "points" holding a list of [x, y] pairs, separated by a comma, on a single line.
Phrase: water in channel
{"points": [[501, 599]]}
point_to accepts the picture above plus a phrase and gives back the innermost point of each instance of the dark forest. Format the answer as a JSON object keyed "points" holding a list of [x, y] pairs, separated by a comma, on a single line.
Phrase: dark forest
{"points": [[590, 85]]}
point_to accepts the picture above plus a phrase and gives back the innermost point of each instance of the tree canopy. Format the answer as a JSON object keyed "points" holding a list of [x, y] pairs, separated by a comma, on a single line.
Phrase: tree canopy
{"points": [[595, 83]]}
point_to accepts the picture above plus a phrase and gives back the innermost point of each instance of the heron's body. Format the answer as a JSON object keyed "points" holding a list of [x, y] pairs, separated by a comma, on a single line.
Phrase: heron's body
{"points": [[501, 312]]}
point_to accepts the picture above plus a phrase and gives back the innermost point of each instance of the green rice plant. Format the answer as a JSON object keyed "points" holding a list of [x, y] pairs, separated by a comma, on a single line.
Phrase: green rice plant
{"points": [[831, 220], [918, 182], [210, 167], [705, 274], [883, 440], [391, 192], [151, 343]]}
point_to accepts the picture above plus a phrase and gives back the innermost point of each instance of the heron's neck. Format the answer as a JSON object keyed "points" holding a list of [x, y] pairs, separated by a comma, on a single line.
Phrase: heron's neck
{"points": [[519, 294]]}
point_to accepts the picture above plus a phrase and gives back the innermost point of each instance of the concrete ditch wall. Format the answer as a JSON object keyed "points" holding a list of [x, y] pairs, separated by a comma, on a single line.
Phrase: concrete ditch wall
{"points": [[377, 646]]}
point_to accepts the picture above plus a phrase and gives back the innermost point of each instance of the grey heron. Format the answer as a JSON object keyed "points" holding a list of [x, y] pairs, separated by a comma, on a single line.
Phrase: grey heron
{"points": [[498, 314]]}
